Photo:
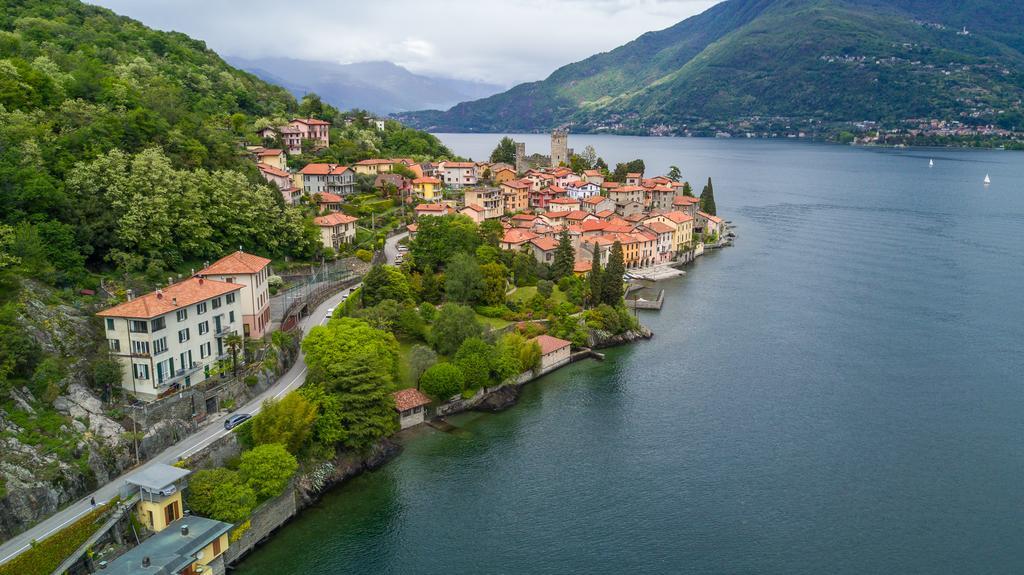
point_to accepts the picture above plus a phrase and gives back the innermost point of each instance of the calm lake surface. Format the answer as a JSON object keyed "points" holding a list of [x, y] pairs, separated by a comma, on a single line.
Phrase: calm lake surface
{"points": [[842, 392]]}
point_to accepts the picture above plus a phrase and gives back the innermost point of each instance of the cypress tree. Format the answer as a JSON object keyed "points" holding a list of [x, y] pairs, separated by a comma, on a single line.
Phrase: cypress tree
{"points": [[565, 259], [707, 200], [611, 291], [596, 277], [687, 189]]}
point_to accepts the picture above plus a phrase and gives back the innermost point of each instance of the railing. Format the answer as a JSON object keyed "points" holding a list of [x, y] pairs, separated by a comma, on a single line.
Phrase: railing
{"points": [[222, 330], [181, 374]]}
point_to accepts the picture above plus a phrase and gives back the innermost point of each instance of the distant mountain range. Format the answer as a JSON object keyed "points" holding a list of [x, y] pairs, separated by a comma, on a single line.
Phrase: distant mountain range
{"points": [[380, 87], [819, 60]]}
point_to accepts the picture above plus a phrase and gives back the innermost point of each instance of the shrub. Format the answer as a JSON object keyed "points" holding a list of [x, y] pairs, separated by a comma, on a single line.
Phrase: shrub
{"points": [[453, 325], [473, 360], [364, 255], [251, 380], [45, 556], [545, 288], [267, 469], [441, 381], [220, 494], [288, 422]]}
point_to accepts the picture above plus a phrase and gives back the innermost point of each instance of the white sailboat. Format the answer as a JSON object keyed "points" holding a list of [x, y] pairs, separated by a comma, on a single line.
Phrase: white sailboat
{"points": [[988, 180], [931, 163]]}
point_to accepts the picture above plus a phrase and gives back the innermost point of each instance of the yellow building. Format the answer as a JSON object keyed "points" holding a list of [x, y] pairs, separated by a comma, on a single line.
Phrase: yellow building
{"points": [[374, 166], [185, 545], [427, 187], [272, 157]]}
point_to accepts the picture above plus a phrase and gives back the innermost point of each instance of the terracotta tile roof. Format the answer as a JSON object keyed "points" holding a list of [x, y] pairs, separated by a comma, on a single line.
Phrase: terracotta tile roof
{"points": [[335, 219], [376, 162], [323, 170], [524, 217], [564, 200], [235, 263], [625, 189], [684, 201], [679, 217], [410, 398], [426, 180], [577, 215], [311, 121], [609, 185], [517, 236], [184, 293], [550, 344], [605, 213], [594, 200], [594, 225], [459, 165], [430, 208], [592, 172], [516, 184], [545, 244], [273, 171], [660, 227], [715, 219], [582, 266], [634, 218], [634, 175], [474, 207], [270, 152], [329, 198], [412, 228]]}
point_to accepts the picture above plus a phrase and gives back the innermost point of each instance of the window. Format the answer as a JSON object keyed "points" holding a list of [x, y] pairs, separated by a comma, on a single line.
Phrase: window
{"points": [[137, 326], [160, 346], [110, 324], [230, 281], [230, 298], [216, 303], [216, 547], [183, 335], [201, 308], [204, 327], [114, 345], [141, 370], [231, 316], [140, 347], [182, 314], [204, 351], [158, 324]]}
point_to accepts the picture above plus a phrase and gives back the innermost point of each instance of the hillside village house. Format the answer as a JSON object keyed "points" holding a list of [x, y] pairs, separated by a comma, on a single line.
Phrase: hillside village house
{"points": [[597, 204], [539, 199], [505, 174], [565, 204], [660, 197], [336, 229], [686, 204], [328, 202], [458, 174], [181, 544], [594, 176], [311, 129], [422, 210], [280, 178], [172, 337], [583, 190], [386, 182], [515, 196], [634, 178], [516, 238], [473, 212], [426, 187], [411, 405], [544, 249], [708, 224], [317, 178], [490, 199], [554, 352], [251, 272], [374, 166], [272, 157]]}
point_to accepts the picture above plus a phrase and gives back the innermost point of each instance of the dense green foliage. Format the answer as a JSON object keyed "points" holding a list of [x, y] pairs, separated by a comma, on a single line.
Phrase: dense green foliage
{"points": [[565, 257], [505, 151], [288, 422], [267, 469], [352, 368], [826, 59], [707, 200], [441, 381], [220, 494], [384, 282], [454, 324]]}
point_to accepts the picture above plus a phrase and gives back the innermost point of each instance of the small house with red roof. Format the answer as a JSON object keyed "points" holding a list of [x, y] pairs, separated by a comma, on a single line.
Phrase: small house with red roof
{"points": [[272, 157], [276, 176], [422, 210], [563, 204], [328, 202], [411, 405], [554, 352], [336, 229], [458, 174], [317, 178], [544, 249]]}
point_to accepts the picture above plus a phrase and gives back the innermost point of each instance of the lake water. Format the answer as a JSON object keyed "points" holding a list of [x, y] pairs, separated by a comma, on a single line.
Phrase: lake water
{"points": [[842, 392]]}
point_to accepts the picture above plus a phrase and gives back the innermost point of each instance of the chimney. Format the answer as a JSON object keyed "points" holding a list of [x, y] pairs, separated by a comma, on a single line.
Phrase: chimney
{"points": [[130, 294], [200, 280], [159, 294], [170, 281], [174, 301], [184, 530], [145, 562]]}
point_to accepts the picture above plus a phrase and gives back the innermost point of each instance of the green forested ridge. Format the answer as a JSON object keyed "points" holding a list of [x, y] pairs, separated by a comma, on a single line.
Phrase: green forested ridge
{"points": [[831, 60]]}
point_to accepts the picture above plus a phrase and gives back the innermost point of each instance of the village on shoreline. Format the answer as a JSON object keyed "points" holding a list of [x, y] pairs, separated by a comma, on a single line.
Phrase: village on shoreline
{"points": [[505, 271]]}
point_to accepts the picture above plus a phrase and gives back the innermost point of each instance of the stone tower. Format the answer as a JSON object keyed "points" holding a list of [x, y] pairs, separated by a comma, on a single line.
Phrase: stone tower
{"points": [[559, 147], [521, 165]]}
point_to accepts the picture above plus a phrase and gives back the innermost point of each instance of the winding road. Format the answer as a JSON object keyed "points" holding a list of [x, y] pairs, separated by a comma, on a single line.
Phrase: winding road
{"points": [[213, 430]]}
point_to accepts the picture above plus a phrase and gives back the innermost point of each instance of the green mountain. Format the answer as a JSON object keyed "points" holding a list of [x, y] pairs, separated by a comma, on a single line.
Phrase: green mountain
{"points": [[827, 60]]}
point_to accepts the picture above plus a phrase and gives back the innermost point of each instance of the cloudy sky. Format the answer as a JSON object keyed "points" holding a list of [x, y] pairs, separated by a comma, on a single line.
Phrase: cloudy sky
{"points": [[498, 41]]}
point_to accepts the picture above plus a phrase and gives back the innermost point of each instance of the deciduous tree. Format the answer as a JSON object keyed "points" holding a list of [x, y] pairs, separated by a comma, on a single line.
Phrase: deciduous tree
{"points": [[267, 469], [288, 422]]}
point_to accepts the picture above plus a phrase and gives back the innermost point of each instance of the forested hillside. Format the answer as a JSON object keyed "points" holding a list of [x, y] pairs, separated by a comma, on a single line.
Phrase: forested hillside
{"points": [[815, 60]]}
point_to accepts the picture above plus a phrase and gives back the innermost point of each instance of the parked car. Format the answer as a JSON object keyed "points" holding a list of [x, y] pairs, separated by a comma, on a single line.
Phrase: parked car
{"points": [[330, 313], [235, 420], [403, 248]]}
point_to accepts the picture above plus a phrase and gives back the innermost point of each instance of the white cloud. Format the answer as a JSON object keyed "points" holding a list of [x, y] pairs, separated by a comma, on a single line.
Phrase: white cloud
{"points": [[505, 42]]}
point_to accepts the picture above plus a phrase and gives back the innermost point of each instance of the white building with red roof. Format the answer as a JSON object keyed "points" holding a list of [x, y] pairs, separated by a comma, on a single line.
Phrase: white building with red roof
{"points": [[251, 272], [317, 131], [171, 338], [422, 210], [411, 405], [554, 352], [458, 174], [317, 178], [336, 229], [276, 176]]}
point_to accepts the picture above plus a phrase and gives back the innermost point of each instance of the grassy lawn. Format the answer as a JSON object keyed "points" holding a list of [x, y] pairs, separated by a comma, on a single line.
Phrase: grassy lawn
{"points": [[525, 293], [404, 377], [492, 322]]}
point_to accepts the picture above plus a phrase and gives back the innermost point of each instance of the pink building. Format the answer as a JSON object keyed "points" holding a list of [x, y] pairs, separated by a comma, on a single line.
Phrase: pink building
{"points": [[305, 129]]}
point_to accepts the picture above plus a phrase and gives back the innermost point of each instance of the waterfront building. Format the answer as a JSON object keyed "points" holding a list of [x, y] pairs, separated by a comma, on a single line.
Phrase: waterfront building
{"points": [[554, 352], [411, 405], [172, 338], [251, 272]]}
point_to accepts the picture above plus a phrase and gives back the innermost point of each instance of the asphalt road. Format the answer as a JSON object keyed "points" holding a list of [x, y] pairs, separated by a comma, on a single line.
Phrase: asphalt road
{"points": [[214, 429], [391, 247]]}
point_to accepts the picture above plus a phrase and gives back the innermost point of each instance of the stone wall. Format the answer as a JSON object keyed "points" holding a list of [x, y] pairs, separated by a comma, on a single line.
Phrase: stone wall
{"points": [[265, 520]]}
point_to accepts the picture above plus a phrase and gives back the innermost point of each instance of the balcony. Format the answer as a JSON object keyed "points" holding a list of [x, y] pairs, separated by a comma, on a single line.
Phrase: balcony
{"points": [[181, 374], [223, 330]]}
